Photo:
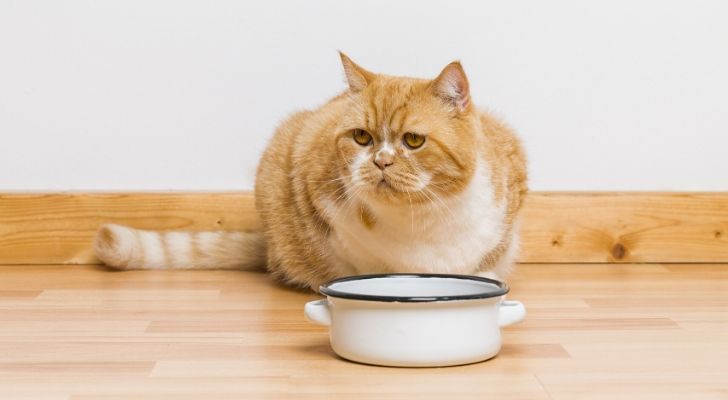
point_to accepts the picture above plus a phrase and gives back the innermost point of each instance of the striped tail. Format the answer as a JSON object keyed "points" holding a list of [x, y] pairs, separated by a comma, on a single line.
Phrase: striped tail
{"points": [[122, 247]]}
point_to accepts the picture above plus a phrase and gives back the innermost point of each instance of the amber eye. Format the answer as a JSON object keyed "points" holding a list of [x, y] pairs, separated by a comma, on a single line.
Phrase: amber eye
{"points": [[362, 137], [413, 140]]}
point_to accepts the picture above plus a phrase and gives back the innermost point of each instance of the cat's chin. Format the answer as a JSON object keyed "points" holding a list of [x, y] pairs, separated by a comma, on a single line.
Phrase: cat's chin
{"points": [[386, 192], [387, 188], [380, 191]]}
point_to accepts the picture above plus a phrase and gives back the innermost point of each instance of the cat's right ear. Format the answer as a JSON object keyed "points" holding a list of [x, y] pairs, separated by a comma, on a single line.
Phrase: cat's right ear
{"points": [[357, 77]]}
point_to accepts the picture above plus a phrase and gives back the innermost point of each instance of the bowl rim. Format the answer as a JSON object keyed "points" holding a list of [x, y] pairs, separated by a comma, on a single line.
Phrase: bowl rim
{"points": [[326, 289]]}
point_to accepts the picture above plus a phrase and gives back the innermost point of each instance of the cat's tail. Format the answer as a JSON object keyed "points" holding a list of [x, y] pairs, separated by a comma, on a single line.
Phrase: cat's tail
{"points": [[122, 247]]}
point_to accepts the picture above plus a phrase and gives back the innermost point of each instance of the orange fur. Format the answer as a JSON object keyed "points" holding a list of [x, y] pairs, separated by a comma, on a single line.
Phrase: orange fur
{"points": [[313, 174], [304, 166]]}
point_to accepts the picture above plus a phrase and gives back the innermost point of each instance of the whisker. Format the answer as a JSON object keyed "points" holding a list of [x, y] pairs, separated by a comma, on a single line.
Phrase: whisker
{"points": [[349, 201], [446, 207], [341, 178], [412, 212], [441, 212]]}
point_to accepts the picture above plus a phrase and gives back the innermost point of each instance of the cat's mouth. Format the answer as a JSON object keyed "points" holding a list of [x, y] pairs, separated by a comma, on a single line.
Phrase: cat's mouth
{"points": [[387, 185], [383, 184]]}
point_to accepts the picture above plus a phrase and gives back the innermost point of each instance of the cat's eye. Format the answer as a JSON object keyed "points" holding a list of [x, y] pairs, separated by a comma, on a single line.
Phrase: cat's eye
{"points": [[413, 140], [362, 137]]}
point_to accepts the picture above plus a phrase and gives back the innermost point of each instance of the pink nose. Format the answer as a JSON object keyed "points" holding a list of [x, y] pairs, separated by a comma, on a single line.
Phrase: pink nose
{"points": [[383, 160]]}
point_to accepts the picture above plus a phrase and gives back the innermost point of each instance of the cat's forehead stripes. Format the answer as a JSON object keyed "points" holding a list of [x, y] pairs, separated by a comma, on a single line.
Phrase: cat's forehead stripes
{"points": [[401, 114], [372, 111], [387, 107]]}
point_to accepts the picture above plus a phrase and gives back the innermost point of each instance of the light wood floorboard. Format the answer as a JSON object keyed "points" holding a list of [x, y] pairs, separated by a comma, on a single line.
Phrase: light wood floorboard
{"points": [[592, 332]]}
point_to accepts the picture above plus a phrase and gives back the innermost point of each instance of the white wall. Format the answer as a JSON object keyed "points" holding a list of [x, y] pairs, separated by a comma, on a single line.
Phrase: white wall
{"points": [[171, 94]]}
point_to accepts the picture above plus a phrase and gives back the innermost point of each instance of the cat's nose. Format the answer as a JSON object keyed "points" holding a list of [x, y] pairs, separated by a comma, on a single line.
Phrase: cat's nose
{"points": [[383, 160]]}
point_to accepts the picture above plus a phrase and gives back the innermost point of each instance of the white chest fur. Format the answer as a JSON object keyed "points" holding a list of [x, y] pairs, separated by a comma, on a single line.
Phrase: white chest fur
{"points": [[448, 236]]}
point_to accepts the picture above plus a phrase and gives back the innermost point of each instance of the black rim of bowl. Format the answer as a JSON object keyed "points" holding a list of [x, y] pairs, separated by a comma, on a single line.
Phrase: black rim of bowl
{"points": [[326, 289]]}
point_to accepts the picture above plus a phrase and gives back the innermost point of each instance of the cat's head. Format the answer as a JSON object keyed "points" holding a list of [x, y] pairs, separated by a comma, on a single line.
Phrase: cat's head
{"points": [[405, 139]]}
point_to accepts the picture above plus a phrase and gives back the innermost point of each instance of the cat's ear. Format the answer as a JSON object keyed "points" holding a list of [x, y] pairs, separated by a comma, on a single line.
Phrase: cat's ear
{"points": [[452, 86], [357, 77]]}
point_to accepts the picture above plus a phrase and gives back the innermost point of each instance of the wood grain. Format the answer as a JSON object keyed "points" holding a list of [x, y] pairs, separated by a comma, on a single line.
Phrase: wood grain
{"points": [[58, 228], [625, 227], [593, 331], [557, 227]]}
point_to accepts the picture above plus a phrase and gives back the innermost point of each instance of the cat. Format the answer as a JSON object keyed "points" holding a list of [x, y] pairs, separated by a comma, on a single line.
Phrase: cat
{"points": [[395, 174]]}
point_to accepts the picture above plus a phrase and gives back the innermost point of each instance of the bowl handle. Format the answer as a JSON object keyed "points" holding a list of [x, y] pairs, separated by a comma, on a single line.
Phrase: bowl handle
{"points": [[318, 312], [510, 312]]}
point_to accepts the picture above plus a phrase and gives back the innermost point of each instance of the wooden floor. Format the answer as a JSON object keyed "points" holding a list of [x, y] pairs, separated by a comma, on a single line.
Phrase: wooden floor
{"points": [[593, 332]]}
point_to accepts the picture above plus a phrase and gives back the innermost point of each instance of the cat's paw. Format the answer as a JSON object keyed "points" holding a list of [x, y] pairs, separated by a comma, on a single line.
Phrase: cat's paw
{"points": [[489, 275]]}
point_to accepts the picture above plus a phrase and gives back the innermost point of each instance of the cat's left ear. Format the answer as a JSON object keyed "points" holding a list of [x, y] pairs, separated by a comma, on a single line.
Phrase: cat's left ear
{"points": [[452, 86], [357, 77]]}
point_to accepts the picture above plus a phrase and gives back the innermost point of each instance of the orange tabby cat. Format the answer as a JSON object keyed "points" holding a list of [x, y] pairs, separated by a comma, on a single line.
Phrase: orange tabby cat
{"points": [[394, 175]]}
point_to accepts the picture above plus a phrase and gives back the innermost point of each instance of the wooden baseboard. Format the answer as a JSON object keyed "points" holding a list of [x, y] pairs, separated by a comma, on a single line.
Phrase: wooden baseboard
{"points": [[557, 227]]}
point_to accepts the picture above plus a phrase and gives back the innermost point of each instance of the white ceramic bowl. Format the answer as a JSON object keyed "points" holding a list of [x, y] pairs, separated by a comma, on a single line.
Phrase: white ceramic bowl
{"points": [[415, 320]]}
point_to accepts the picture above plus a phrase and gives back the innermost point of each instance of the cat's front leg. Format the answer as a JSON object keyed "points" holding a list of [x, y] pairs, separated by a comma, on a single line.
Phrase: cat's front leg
{"points": [[488, 274]]}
